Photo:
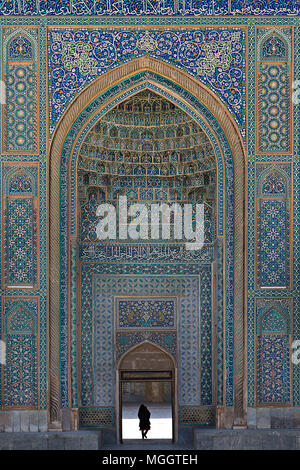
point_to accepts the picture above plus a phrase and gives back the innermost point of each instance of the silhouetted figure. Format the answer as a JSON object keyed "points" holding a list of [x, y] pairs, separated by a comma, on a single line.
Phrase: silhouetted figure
{"points": [[144, 417]]}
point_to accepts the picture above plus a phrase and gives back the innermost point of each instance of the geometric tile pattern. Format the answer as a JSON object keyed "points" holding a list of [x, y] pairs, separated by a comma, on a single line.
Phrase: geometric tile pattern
{"points": [[296, 274], [273, 351], [20, 117], [274, 57], [20, 252], [193, 416], [74, 324], [273, 183], [279, 50], [273, 243], [20, 327], [19, 224], [20, 181], [206, 338], [273, 369], [95, 417], [273, 327], [20, 113], [274, 103], [220, 322], [89, 220], [21, 381], [102, 378], [107, 289]]}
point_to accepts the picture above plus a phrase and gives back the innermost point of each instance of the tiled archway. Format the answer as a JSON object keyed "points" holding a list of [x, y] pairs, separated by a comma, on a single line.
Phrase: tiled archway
{"points": [[215, 111]]}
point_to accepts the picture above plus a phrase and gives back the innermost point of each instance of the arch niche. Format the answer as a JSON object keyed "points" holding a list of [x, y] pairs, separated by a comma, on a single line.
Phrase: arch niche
{"points": [[204, 107]]}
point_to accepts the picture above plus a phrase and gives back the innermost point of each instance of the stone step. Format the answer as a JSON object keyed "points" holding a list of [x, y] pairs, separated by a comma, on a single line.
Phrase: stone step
{"points": [[238, 439], [204, 439], [77, 440]]}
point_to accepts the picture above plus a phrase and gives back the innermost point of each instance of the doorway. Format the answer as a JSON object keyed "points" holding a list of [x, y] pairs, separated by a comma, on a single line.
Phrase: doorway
{"points": [[154, 387]]}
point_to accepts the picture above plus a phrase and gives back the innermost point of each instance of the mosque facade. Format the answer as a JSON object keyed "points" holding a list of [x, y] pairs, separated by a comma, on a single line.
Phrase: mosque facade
{"points": [[161, 102]]}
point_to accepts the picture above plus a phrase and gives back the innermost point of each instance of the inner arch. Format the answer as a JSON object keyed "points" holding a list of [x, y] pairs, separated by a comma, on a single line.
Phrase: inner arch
{"points": [[149, 150], [146, 356]]}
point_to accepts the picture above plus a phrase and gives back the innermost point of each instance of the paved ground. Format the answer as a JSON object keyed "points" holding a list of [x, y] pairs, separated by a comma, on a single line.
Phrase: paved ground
{"points": [[154, 445], [185, 442], [161, 421]]}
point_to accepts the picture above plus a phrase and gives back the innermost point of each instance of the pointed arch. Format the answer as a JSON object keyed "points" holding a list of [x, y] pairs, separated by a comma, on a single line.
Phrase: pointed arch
{"points": [[273, 353], [283, 313], [29, 186], [21, 321], [142, 348], [193, 95], [19, 32], [273, 170], [273, 32]]}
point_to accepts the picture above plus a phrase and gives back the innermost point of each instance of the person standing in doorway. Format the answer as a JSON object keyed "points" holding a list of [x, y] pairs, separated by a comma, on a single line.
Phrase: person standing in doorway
{"points": [[144, 417]]}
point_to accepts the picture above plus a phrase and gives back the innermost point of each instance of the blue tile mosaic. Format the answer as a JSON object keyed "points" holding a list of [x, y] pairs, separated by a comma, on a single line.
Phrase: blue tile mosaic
{"points": [[242, 52]]}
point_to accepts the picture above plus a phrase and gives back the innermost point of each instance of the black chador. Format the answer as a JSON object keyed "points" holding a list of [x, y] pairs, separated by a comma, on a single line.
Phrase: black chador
{"points": [[144, 417]]}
